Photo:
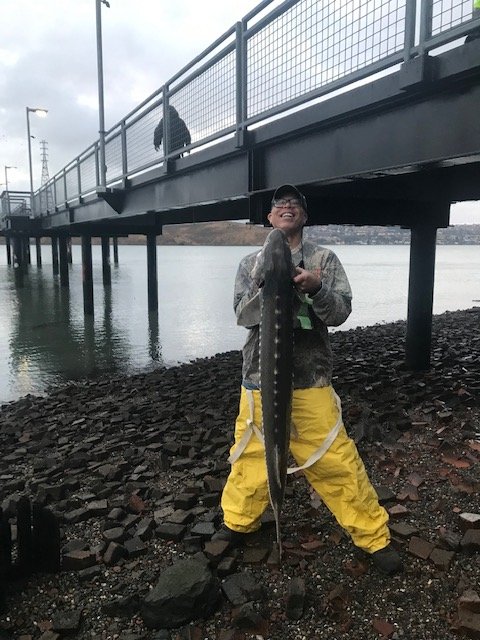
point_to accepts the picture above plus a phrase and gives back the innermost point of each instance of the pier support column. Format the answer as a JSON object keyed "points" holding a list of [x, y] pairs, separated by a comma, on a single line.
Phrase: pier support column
{"points": [[25, 258], [18, 260], [55, 255], [154, 337], [87, 274], [63, 254], [106, 270], [9, 251], [152, 272], [115, 250], [69, 250], [420, 297], [38, 247], [27, 251]]}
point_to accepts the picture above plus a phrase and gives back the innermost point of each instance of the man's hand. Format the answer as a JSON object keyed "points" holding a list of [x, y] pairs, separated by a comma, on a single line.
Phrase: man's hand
{"points": [[307, 281]]}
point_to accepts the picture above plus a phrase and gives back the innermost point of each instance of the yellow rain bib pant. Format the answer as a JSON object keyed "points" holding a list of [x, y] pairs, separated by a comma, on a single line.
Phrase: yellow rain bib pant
{"points": [[339, 477]]}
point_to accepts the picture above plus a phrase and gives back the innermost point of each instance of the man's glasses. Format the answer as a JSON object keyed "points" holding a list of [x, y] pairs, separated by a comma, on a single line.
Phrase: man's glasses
{"points": [[285, 202]]}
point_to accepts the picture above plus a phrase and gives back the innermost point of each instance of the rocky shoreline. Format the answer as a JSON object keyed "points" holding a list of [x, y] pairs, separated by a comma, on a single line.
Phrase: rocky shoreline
{"points": [[132, 469]]}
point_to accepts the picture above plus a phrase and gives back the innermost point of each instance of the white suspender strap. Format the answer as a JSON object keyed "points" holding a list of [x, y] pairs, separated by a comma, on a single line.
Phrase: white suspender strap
{"points": [[326, 444], [247, 434], [252, 428]]}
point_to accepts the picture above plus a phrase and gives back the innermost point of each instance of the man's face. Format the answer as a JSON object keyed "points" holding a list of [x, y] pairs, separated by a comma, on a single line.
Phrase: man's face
{"points": [[288, 215]]}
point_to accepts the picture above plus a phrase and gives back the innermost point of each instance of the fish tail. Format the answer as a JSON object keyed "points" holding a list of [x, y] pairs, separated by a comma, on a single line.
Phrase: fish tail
{"points": [[277, 527]]}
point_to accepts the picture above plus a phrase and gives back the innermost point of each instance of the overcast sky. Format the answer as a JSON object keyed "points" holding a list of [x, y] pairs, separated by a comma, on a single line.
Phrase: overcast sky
{"points": [[48, 60]]}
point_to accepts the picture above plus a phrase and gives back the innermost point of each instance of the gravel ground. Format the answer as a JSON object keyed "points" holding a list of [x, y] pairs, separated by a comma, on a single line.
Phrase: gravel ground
{"points": [[165, 434]]}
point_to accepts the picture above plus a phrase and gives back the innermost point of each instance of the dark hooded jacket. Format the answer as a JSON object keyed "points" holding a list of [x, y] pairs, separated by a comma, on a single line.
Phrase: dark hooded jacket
{"points": [[179, 134]]}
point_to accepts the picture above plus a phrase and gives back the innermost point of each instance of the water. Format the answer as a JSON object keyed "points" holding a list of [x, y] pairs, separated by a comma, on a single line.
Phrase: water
{"points": [[45, 339]]}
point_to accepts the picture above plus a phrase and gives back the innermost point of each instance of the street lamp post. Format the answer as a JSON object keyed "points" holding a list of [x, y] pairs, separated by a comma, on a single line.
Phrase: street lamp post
{"points": [[101, 105], [42, 113], [6, 188]]}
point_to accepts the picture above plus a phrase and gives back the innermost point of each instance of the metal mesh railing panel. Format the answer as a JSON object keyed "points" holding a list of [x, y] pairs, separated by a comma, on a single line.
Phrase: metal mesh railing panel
{"points": [[39, 207], [72, 182], [18, 207], [4, 205], [313, 44], [450, 13], [45, 201], [40, 202], [140, 149], [88, 176], [113, 157], [59, 191], [207, 103]]}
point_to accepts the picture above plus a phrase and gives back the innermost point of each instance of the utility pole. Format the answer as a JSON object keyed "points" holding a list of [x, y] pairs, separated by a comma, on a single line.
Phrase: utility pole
{"points": [[46, 199]]}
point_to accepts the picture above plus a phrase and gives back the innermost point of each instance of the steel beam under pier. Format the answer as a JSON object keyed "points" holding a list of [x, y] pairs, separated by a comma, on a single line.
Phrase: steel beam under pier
{"points": [[87, 275], [420, 297], [152, 272], [9, 251]]}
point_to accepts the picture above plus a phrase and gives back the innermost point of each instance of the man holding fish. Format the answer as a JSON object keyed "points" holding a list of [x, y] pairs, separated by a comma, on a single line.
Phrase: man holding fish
{"points": [[287, 295]]}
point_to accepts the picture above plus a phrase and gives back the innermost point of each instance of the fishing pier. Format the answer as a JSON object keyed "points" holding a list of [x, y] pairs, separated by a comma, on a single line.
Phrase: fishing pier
{"points": [[372, 110]]}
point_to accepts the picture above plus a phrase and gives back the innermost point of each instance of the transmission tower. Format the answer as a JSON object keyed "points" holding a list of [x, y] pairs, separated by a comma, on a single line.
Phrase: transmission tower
{"points": [[46, 196]]}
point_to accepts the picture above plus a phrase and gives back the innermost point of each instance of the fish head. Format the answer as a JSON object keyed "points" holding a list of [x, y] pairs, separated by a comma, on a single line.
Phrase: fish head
{"points": [[277, 256]]}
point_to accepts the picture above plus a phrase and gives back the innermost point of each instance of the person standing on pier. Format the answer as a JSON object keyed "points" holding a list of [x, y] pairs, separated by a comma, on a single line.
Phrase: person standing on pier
{"points": [[319, 442], [179, 135]]}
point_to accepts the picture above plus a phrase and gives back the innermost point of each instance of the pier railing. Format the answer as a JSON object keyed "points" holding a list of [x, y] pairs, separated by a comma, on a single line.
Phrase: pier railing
{"points": [[14, 203], [272, 61]]}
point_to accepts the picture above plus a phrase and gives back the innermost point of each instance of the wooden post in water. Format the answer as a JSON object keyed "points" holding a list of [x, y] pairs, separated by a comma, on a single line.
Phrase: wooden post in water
{"points": [[55, 255], [152, 281], [28, 257], [9, 250], [38, 247], [63, 254], [420, 296], [106, 270], [115, 250], [87, 274]]}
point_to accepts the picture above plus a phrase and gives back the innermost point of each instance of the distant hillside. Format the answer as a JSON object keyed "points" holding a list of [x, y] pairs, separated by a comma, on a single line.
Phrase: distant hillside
{"points": [[226, 233], [229, 233]]}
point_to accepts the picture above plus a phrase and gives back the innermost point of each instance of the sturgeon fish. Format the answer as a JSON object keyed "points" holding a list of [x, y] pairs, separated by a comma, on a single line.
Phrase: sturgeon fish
{"points": [[276, 364]]}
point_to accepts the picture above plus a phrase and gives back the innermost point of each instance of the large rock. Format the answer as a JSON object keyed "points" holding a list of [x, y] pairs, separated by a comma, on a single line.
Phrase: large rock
{"points": [[185, 591]]}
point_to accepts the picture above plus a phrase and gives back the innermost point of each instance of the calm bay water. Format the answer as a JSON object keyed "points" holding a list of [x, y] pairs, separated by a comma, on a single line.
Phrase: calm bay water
{"points": [[45, 339]]}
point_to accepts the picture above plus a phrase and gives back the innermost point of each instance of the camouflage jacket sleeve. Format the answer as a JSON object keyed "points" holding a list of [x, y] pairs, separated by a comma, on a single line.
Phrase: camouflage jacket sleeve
{"points": [[246, 297], [333, 303]]}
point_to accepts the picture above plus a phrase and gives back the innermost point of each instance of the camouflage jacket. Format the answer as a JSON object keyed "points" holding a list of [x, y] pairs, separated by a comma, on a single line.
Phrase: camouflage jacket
{"points": [[331, 307]]}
